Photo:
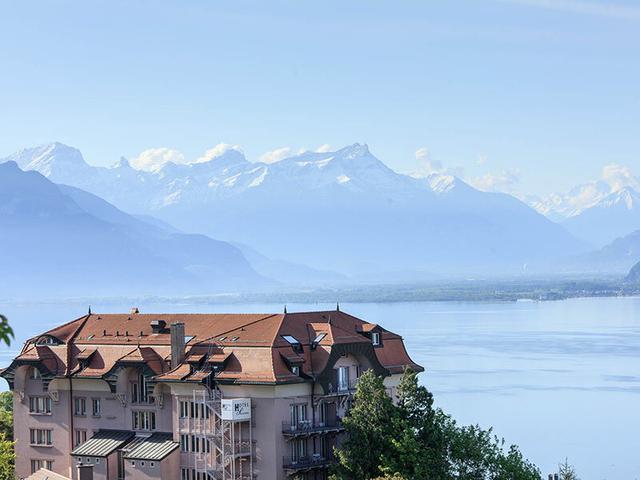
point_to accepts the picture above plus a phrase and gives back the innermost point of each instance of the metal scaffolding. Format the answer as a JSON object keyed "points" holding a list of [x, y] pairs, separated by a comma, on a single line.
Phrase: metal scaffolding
{"points": [[224, 449]]}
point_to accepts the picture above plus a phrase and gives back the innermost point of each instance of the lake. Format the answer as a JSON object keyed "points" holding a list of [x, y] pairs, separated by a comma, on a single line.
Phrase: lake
{"points": [[560, 379]]}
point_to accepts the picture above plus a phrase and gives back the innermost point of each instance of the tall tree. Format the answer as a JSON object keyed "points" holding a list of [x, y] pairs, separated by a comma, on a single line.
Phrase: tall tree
{"points": [[7, 459], [566, 471], [368, 430], [418, 448]]}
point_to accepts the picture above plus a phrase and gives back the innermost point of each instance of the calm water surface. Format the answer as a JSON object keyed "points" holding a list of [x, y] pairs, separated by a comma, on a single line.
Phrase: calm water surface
{"points": [[560, 379]]}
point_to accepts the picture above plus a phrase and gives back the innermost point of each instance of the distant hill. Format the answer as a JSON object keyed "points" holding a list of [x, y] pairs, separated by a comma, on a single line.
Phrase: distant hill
{"points": [[343, 211], [617, 257], [634, 274], [60, 239]]}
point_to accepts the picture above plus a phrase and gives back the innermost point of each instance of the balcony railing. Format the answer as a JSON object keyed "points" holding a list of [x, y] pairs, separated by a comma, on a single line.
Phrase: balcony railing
{"points": [[308, 462], [342, 388], [307, 428]]}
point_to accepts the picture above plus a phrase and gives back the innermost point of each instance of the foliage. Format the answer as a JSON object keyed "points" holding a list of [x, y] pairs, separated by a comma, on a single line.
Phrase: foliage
{"points": [[566, 471], [369, 430], [6, 415], [6, 332], [7, 458], [412, 440]]}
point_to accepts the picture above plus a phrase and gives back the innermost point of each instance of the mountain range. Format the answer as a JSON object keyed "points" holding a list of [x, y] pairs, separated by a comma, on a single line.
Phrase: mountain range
{"points": [[597, 212], [343, 211], [58, 239]]}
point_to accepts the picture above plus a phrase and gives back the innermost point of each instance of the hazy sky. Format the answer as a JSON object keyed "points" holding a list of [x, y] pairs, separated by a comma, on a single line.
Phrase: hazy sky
{"points": [[541, 92]]}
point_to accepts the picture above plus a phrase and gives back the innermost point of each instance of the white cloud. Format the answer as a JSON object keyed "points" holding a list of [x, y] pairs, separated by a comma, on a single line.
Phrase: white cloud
{"points": [[276, 155], [619, 177], [504, 181], [154, 158], [426, 165], [324, 148], [584, 7], [218, 150]]}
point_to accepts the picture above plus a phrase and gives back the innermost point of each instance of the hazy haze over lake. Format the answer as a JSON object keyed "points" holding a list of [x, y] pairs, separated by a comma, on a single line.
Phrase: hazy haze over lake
{"points": [[558, 378]]}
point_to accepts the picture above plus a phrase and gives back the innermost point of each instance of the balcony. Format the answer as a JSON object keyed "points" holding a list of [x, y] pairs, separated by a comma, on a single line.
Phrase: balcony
{"points": [[342, 388], [306, 429], [306, 463]]}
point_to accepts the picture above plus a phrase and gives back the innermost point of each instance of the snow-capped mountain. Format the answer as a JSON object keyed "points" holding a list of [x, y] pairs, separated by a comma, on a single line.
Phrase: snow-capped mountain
{"points": [[344, 211], [613, 216], [559, 207], [597, 212]]}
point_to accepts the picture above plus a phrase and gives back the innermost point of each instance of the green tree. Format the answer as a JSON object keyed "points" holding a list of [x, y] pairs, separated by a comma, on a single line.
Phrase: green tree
{"points": [[414, 441], [6, 332], [566, 471], [418, 447], [368, 431], [7, 458], [6, 415]]}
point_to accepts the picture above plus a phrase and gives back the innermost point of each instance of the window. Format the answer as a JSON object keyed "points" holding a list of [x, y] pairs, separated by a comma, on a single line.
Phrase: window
{"points": [[96, 407], [40, 405], [79, 406], [184, 409], [80, 437], [184, 443], [291, 339], [41, 437], [375, 338], [34, 373], [142, 381], [323, 413], [97, 460], [298, 414], [299, 449], [133, 463], [139, 390], [134, 392], [295, 370], [143, 420], [319, 338], [142, 464], [38, 464], [152, 464], [343, 378]]}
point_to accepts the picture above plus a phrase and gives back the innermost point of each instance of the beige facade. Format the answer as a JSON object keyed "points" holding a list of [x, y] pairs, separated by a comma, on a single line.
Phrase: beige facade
{"points": [[126, 409]]}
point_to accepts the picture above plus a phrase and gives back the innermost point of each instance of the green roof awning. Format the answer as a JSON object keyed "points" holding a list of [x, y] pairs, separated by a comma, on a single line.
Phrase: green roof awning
{"points": [[155, 447], [103, 443]]}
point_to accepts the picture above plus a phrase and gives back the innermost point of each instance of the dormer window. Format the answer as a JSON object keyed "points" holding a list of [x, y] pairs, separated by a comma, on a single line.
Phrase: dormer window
{"points": [[317, 340], [294, 342], [295, 369], [375, 338], [46, 340]]}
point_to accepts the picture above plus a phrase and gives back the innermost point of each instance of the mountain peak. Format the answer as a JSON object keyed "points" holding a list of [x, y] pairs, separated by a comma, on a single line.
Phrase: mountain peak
{"points": [[49, 158], [354, 151], [122, 163]]}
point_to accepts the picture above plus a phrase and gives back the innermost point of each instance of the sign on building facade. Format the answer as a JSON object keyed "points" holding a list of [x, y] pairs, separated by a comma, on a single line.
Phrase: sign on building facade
{"points": [[236, 409]]}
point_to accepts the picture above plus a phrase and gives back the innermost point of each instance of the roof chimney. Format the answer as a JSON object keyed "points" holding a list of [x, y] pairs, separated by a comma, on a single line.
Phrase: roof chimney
{"points": [[177, 344], [85, 472]]}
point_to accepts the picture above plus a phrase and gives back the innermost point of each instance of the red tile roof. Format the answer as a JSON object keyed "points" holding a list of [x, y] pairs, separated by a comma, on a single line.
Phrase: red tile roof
{"points": [[251, 346]]}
